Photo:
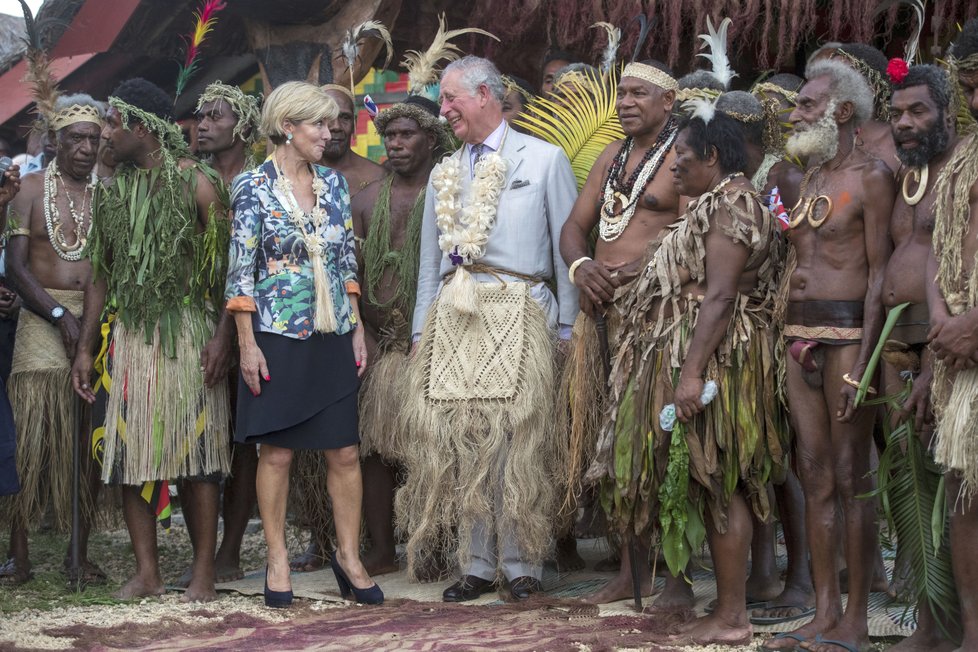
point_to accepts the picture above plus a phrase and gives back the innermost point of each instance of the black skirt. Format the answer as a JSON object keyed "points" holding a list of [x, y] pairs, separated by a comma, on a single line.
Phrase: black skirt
{"points": [[310, 401]]}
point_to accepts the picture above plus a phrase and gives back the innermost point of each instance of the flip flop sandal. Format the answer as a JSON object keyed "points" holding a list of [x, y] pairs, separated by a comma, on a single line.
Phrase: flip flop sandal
{"points": [[849, 647], [750, 605], [776, 620], [796, 637]]}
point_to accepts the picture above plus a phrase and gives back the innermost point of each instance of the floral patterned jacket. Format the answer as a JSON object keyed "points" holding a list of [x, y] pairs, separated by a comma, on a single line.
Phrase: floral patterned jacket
{"points": [[269, 271]]}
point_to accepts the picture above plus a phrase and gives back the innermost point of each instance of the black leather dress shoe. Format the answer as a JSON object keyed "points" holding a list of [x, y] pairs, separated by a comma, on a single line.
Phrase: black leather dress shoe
{"points": [[468, 588], [523, 587]]}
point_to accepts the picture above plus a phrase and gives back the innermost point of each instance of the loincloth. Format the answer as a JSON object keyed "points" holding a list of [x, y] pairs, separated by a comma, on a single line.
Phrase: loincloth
{"points": [[381, 401], [45, 410], [835, 323], [480, 401], [160, 421]]}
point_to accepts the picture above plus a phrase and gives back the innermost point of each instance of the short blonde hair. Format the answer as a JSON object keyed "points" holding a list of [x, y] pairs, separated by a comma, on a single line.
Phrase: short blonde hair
{"points": [[295, 101]]}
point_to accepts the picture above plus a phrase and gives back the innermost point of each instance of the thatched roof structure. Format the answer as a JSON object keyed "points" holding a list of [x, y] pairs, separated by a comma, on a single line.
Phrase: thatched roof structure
{"points": [[11, 39]]}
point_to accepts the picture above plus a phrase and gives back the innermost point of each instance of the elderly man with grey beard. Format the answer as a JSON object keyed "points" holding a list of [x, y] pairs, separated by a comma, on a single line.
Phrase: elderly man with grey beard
{"points": [[840, 243], [481, 410]]}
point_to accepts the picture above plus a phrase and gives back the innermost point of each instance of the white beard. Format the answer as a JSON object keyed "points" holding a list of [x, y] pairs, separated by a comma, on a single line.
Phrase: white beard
{"points": [[816, 143]]}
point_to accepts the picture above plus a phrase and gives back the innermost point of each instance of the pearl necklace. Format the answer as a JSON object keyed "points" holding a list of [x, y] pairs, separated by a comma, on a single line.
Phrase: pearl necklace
{"points": [[52, 215]]}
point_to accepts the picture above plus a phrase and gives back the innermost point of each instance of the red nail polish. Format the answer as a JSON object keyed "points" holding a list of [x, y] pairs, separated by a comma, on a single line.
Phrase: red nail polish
{"points": [[254, 393], [268, 377], [358, 363]]}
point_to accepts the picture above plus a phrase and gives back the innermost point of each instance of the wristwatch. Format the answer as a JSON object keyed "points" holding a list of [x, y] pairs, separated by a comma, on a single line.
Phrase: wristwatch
{"points": [[57, 313]]}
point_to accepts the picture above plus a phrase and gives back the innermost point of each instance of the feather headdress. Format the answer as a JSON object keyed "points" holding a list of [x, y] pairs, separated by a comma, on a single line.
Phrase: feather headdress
{"points": [[702, 108], [644, 27], [422, 67], [610, 54], [716, 41], [205, 17], [44, 87], [911, 49], [351, 44], [579, 117]]}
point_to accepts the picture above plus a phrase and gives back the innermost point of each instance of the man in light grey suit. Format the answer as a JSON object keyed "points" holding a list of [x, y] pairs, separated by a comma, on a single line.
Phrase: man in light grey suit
{"points": [[481, 399]]}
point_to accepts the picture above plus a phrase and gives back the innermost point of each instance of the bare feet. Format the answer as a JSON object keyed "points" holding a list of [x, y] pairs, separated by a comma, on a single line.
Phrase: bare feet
{"points": [[199, 590], [791, 604], [677, 595], [89, 574], [13, 573], [140, 587], [311, 559], [714, 630], [227, 571], [378, 562], [924, 641], [619, 588], [567, 558], [186, 576]]}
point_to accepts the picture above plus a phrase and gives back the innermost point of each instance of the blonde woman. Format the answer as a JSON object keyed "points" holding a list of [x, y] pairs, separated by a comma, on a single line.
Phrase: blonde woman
{"points": [[292, 290]]}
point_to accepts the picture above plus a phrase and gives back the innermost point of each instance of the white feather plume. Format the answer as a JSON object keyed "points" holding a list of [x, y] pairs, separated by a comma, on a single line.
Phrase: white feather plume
{"points": [[369, 29], [716, 41], [702, 108], [910, 52], [610, 54]]}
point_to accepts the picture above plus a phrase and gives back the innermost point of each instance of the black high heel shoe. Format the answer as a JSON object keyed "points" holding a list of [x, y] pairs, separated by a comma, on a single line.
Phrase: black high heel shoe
{"points": [[371, 595], [276, 599]]}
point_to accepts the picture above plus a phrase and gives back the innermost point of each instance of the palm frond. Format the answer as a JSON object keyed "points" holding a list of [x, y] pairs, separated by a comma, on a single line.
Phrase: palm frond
{"points": [[911, 491], [870, 371], [579, 117]]}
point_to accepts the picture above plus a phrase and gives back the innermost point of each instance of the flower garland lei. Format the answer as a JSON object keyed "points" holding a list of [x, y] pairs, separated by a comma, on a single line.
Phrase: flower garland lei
{"points": [[464, 230]]}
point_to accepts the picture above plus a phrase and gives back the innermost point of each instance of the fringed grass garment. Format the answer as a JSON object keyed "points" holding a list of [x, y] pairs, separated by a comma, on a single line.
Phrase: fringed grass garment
{"points": [[741, 438], [161, 422], [481, 386], [44, 408]]}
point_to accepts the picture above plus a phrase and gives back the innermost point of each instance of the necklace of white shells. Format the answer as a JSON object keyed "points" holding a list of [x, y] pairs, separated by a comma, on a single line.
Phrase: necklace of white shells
{"points": [[311, 228], [463, 231], [72, 252]]}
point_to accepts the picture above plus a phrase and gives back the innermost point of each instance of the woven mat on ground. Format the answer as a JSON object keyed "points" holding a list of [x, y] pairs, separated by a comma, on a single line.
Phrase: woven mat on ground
{"points": [[886, 618], [409, 625]]}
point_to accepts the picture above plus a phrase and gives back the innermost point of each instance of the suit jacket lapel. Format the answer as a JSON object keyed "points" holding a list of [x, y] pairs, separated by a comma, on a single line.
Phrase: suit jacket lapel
{"points": [[512, 151]]}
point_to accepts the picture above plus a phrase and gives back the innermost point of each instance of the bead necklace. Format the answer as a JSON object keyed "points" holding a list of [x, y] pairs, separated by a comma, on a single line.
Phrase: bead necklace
{"points": [[71, 252], [627, 193], [314, 241]]}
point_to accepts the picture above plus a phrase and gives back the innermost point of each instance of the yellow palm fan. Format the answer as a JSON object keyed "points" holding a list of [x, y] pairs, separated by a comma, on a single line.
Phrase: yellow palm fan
{"points": [[422, 66], [579, 117]]}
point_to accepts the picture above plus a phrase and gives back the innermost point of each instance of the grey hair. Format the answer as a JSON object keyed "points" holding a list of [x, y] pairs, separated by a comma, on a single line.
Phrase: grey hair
{"points": [[81, 99], [740, 102], [830, 45], [845, 85], [703, 79], [476, 71]]}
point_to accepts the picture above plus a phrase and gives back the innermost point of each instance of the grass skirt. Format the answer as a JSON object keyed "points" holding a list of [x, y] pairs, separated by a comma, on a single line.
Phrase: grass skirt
{"points": [[481, 387], [381, 400], [161, 422], [45, 415]]}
